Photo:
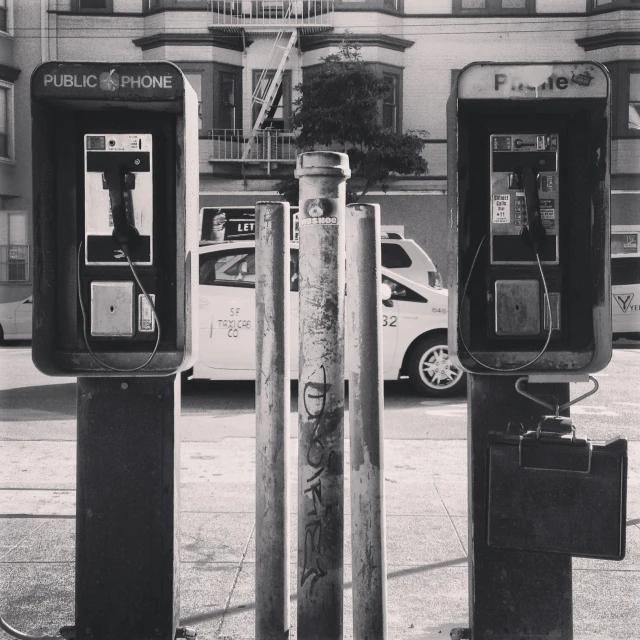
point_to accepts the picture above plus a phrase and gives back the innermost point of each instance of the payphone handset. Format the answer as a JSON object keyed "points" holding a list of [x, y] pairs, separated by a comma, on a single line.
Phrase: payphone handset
{"points": [[524, 198], [118, 198]]}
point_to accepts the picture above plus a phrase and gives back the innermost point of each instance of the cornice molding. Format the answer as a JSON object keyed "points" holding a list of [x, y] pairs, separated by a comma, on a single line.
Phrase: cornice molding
{"points": [[607, 40], [311, 42], [222, 41]]}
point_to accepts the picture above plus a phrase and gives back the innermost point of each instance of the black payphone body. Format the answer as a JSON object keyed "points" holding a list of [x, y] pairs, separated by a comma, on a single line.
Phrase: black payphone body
{"points": [[115, 181], [528, 191]]}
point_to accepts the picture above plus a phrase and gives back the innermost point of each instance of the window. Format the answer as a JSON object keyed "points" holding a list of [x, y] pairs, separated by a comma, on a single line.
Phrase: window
{"points": [[634, 103], [233, 268], [169, 4], [400, 292], [103, 6], [393, 256], [14, 250], [390, 103], [612, 5], [3, 16], [6, 121], [279, 116], [625, 98], [195, 80], [228, 106], [494, 7]]}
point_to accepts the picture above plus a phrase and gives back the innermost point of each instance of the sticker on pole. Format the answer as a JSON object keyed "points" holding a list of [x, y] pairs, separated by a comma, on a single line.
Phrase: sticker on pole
{"points": [[500, 208], [318, 211]]}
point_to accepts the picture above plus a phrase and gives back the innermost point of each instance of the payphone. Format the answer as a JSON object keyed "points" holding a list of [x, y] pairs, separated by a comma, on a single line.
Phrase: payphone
{"points": [[115, 218], [529, 208]]}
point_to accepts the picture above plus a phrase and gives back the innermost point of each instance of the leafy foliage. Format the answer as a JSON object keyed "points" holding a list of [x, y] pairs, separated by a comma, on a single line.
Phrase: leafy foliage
{"points": [[338, 108]]}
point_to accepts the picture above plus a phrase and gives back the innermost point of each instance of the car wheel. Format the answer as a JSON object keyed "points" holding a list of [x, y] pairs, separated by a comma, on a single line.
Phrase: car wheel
{"points": [[430, 370], [1, 335]]}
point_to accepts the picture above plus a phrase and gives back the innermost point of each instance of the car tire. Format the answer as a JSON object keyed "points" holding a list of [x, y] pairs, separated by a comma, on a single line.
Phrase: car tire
{"points": [[1, 335], [430, 371]]}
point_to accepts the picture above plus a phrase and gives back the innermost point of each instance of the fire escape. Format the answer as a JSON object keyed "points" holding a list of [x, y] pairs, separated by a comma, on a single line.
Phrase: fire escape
{"points": [[285, 21]]}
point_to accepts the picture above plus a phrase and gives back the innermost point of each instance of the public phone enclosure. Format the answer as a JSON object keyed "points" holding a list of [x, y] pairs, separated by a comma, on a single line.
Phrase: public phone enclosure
{"points": [[529, 182]]}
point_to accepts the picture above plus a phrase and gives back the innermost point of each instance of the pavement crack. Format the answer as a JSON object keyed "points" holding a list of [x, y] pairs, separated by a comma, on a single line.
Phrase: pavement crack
{"points": [[22, 540], [227, 604], [450, 519]]}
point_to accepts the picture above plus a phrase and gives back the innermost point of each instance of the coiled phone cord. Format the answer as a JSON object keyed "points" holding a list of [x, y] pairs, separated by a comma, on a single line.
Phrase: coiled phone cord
{"points": [[84, 316], [547, 308]]}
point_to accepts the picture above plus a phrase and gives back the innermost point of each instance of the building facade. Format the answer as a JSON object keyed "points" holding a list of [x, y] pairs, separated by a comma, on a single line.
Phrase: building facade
{"points": [[244, 58]]}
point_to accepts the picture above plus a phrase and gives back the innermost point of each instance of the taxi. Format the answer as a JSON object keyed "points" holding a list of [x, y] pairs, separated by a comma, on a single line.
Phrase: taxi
{"points": [[414, 324]]}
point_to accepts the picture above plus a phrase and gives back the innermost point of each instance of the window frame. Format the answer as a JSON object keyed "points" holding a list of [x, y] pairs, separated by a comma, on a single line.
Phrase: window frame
{"points": [[11, 123], [614, 5], [216, 255], [382, 70], [287, 97], [210, 73], [620, 72], [26, 261], [8, 19], [78, 8], [395, 103], [494, 8], [175, 4]]}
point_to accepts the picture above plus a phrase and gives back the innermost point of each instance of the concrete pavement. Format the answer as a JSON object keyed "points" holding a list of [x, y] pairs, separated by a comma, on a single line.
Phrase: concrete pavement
{"points": [[425, 484]]}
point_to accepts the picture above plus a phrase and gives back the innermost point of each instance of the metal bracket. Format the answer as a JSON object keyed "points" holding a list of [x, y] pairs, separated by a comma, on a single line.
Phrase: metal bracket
{"points": [[557, 408]]}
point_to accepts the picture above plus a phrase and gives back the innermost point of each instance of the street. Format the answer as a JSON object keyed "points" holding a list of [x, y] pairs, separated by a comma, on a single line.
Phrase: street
{"points": [[426, 506], [33, 405]]}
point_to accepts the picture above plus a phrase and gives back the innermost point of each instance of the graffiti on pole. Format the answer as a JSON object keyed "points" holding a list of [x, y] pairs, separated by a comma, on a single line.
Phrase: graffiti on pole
{"points": [[315, 401]]}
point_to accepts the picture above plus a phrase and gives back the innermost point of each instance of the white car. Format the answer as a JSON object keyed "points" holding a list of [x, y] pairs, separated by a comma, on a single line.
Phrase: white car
{"points": [[15, 319], [625, 281], [405, 257], [414, 323]]}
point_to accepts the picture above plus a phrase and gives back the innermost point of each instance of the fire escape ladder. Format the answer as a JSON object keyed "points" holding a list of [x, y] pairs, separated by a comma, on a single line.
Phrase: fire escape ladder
{"points": [[266, 98]]}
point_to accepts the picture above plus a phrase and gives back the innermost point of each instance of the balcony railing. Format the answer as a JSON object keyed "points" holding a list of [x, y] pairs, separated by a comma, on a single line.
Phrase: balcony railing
{"points": [[269, 146], [271, 13]]}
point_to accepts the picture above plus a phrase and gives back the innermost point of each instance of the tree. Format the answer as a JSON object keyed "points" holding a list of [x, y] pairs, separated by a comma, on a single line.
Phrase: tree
{"points": [[338, 106]]}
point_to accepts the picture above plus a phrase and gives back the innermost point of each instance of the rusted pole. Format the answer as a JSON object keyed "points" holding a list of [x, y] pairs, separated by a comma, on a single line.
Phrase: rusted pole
{"points": [[272, 420], [321, 394], [366, 402]]}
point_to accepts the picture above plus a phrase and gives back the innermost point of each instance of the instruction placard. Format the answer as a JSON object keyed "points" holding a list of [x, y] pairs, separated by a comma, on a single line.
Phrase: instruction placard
{"points": [[500, 208]]}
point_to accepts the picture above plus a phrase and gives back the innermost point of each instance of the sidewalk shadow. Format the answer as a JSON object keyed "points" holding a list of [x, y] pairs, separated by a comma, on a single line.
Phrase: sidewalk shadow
{"points": [[39, 402], [248, 606]]}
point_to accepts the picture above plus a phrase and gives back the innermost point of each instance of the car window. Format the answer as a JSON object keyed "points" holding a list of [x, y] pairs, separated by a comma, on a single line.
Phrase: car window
{"points": [[400, 292], [625, 271], [235, 267], [393, 256]]}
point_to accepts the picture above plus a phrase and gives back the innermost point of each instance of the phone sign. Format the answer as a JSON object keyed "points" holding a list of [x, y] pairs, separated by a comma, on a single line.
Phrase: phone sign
{"points": [[501, 208]]}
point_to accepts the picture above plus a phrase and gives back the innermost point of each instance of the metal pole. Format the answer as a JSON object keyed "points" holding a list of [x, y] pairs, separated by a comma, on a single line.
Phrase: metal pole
{"points": [[272, 420], [321, 394], [366, 404], [512, 594], [127, 533]]}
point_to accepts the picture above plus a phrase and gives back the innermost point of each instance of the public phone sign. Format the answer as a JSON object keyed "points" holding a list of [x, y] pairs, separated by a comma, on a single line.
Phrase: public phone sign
{"points": [[484, 81], [100, 81]]}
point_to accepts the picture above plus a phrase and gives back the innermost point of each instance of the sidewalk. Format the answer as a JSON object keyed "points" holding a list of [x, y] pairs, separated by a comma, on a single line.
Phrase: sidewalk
{"points": [[426, 488]]}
